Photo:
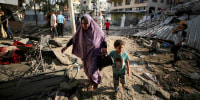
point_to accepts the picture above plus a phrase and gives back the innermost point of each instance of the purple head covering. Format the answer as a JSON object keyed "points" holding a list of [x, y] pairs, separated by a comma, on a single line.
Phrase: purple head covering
{"points": [[87, 43]]}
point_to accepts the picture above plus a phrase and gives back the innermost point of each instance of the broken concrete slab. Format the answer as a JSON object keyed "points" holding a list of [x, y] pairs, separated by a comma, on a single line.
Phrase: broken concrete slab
{"points": [[41, 83], [191, 97], [55, 43], [25, 40], [64, 58], [152, 88]]}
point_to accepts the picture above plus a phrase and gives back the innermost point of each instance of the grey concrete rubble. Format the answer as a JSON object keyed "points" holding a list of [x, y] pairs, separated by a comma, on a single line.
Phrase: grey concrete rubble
{"points": [[152, 88]]}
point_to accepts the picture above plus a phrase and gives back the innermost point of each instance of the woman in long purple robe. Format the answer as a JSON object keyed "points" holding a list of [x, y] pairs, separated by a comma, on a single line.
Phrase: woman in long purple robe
{"points": [[88, 42]]}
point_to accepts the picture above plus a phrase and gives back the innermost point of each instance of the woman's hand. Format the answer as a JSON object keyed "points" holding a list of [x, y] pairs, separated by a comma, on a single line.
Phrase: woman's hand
{"points": [[63, 49], [104, 50]]}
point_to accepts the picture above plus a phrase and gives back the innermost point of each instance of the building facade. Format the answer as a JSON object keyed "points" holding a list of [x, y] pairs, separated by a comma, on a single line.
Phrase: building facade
{"points": [[140, 5]]}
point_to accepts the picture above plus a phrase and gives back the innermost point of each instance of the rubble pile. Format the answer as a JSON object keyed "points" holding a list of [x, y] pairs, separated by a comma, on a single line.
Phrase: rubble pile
{"points": [[40, 68], [192, 7]]}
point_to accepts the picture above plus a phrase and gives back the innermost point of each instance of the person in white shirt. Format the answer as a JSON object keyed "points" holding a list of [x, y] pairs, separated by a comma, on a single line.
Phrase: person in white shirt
{"points": [[53, 25], [100, 20], [179, 38]]}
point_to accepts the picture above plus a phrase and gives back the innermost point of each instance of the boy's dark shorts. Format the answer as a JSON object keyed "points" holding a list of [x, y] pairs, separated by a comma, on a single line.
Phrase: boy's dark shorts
{"points": [[107, 28]]}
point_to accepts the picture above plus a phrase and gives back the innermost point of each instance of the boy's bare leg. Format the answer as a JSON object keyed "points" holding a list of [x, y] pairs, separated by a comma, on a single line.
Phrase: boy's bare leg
{"points": [[107, 32]]}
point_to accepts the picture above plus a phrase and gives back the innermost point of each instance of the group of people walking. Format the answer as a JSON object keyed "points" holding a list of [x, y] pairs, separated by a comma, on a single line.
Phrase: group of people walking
{"points": [[89, 41], [56, 23]]}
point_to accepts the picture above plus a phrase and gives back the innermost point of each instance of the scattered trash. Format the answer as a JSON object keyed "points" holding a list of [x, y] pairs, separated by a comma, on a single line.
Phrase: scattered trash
{"points": [[150, 67], [168, 65], [136, 54], [135, 65], [141, 62], [166, 76], [140, 69], [78, 66], [166, 45], [154, 98], [195, 76], [150, 77]]}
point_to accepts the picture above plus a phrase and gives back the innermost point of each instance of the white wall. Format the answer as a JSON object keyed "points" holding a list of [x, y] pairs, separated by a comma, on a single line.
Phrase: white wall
{"points": [[12, 2]]}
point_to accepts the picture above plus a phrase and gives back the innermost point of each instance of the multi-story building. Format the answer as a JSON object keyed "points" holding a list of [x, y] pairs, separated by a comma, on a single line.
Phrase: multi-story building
{"points": [[137, 8], [140, 5], [94, 5]]}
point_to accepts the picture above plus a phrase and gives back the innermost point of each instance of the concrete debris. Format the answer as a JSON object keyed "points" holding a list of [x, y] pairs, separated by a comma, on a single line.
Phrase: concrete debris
{"points": [[191, 97], [38, 84], [73, 97], [136, 54], [55, 43], [154, 98], [195, 76], [45, 40], [133, 65], [140, 69], [25, 41], [152, 88], [149, 87], [64, 58], [150, 77], [150, 67]]}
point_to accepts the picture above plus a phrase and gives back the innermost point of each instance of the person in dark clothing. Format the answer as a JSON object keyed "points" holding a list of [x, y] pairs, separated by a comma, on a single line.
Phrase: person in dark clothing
{"points": [[77, 22], [6, 26], [61, 23], [180, 37], [48, 19]]}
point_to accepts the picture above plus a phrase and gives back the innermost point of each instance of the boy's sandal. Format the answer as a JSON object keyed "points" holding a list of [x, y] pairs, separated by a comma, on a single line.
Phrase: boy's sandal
{"points": [[115, 96], [126, 88], [90, 88]]}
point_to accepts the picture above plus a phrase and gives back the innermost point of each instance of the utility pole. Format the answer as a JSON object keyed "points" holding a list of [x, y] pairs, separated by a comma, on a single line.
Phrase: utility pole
{"points": [[72, 20]]}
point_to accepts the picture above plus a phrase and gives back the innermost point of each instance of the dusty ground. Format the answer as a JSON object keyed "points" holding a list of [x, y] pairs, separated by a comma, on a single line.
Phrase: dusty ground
{"points": [[172, 78], [175, 79]]}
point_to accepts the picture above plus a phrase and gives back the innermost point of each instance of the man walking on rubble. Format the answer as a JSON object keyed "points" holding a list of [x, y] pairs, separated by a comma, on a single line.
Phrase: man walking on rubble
{"points": [[6, 26], [61, 23], [100, 20], [53, 25], [179, 38]]}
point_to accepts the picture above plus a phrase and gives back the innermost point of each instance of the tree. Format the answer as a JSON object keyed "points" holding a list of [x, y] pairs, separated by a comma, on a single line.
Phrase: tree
{"points": [[116, 0]]}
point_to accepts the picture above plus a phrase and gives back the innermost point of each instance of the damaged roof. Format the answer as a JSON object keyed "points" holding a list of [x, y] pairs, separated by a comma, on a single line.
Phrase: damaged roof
{"points": [[165, 32]]}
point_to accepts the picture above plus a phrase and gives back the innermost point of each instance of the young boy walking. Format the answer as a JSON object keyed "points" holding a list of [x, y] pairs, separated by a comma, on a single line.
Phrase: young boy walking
{"points": [[121, 61], [107, 26]]}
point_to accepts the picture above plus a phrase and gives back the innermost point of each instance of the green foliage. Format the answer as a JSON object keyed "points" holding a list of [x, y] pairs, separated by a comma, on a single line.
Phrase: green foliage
{"points": [[116, 0], [47, 5]]}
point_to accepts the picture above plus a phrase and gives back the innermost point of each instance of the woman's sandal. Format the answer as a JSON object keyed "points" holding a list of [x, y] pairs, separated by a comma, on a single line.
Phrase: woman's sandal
{"points": [[95, 86]]}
